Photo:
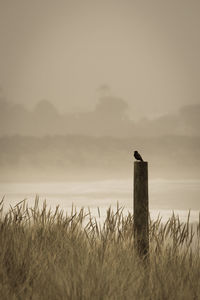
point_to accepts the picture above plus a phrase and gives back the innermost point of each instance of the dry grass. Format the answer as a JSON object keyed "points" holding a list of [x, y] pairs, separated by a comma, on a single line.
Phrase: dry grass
{"points": [[48, 255]]}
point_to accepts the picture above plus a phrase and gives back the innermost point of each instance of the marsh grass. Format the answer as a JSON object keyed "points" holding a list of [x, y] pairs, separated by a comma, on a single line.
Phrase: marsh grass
{"points": [[46, 254]]}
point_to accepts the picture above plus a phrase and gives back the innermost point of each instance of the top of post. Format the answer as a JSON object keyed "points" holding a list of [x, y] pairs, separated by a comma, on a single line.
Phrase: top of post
{"points": [[140, 163]]}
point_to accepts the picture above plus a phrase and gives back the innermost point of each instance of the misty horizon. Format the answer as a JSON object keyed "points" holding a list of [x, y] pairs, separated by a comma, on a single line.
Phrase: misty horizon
{"points": [[110, 117]]}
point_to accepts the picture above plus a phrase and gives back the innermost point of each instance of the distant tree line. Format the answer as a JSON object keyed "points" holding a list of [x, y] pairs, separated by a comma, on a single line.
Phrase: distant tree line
{"points": [[109, 118]]}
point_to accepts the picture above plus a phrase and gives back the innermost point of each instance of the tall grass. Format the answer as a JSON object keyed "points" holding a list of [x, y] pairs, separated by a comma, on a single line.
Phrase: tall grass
{"points": [[47, 254]]}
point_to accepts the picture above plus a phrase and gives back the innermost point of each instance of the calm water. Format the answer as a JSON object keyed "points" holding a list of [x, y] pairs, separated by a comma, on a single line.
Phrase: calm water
{"points": [[165, 196]]}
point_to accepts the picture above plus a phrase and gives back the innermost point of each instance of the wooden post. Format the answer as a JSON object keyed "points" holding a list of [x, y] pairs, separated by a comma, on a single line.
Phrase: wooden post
{"points": [[141, 208]]}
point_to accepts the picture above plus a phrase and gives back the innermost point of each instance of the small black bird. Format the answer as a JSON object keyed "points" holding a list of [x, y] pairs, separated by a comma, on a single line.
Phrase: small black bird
{"points": [[137, 156]]}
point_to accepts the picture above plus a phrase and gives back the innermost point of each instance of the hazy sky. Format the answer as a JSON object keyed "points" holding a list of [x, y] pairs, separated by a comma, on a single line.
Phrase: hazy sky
{"points": [[147, 51]]}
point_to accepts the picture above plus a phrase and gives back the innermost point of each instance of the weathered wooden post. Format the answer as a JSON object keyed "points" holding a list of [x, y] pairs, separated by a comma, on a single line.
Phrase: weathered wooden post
{"points": [[141, 208]]}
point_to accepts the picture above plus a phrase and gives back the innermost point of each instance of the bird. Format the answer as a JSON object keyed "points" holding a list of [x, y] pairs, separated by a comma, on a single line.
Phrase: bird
{"points": [[137, 156]]}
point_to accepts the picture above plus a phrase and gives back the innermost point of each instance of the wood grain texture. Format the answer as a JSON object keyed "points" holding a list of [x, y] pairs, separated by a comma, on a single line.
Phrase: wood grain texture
{"points": [[141, 208]]}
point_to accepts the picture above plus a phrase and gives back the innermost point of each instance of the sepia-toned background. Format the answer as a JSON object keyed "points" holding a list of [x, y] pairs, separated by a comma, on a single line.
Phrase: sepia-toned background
{"points": [[84, 84]]}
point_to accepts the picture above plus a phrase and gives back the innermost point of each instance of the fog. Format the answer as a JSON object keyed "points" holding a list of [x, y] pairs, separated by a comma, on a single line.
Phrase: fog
{"points": [[85, 83], [44, 144], [110, 117], [147, 51], [59, 158]]}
